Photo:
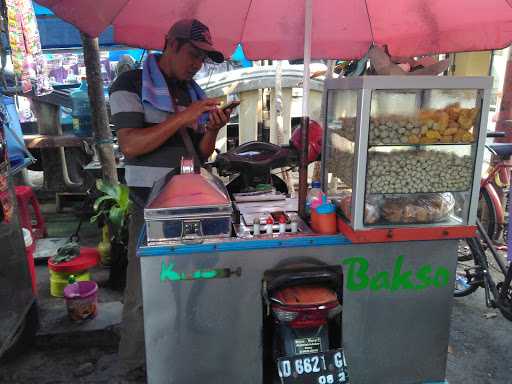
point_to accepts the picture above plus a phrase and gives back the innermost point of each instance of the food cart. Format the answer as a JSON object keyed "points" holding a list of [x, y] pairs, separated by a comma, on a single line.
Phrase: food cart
{"points": [[401, 159]]}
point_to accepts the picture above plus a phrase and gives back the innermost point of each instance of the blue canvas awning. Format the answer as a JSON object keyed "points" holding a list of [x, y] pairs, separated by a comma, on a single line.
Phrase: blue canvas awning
{"points": [[56, 33]]}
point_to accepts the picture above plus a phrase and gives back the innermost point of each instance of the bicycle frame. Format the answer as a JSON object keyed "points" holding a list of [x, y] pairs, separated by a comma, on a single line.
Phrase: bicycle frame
{"points": [[495, 296], [499, 173]]}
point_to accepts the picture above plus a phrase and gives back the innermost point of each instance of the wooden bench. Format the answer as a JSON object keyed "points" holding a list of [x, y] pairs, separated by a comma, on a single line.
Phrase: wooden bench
{"points": [[54, 141]]}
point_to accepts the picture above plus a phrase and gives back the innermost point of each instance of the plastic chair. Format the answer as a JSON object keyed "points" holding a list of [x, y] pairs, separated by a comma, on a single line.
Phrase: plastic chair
{"points": [[26, 198]]}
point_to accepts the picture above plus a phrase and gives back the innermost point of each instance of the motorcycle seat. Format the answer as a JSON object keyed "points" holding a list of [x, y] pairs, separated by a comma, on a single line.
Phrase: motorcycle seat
{"points": [[305, 296], [503, 150], [295, 278]]}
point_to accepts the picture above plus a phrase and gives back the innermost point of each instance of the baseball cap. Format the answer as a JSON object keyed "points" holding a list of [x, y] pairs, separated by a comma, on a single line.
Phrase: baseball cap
{"points": [[197, 34]]}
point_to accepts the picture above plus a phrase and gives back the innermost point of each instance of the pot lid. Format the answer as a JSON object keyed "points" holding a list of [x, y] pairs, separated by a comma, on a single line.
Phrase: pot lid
{"points": [[189, 190]]}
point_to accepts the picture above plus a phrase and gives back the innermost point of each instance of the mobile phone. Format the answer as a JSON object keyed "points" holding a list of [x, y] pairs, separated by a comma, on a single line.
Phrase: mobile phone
{"points": [[231, 105]]}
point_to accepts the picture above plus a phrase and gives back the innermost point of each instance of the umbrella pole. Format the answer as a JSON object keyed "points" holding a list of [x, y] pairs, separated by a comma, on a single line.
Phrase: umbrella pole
{"points": [[303, 164]]}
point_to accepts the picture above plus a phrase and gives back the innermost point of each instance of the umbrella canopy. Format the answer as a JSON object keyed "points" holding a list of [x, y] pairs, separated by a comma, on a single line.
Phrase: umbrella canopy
{"points": [[275, 29]]}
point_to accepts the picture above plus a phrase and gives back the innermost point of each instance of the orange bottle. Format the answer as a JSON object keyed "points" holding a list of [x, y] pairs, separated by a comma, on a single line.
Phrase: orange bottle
{"points": [[323, 218]]}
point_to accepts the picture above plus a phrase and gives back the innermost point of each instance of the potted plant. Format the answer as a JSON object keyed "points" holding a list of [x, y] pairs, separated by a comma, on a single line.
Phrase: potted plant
{"points": [[112, 209]]}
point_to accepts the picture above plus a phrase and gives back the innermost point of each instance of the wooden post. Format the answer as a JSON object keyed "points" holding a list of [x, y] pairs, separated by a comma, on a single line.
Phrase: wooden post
{"points": [[248, 118], [504, 123], [48, 123], [99, 117], [222, 137], [277, 133]]}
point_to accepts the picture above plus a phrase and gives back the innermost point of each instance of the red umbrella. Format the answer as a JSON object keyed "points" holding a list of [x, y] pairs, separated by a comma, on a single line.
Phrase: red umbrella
{"points": [[287, 29], [273, 29]]}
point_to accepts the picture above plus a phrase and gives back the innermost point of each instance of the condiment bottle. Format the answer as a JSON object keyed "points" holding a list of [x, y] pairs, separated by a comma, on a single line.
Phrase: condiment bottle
{"points": [[282, 224], [323, 218], [270, 223], [256, 226], [294, 226]]}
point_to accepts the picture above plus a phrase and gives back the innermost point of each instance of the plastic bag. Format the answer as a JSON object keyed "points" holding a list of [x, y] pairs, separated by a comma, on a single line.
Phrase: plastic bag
{"points": [[315, 134], [422, 208], [371, 209]]}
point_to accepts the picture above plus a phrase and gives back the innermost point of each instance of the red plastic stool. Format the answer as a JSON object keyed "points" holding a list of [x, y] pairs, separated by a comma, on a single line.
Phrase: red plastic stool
{"points": [[25, 197]]}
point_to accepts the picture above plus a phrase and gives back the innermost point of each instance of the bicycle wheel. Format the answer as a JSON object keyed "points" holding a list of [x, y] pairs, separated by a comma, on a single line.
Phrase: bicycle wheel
{"points": [[504, 301], [487, 215], [468, 273]]}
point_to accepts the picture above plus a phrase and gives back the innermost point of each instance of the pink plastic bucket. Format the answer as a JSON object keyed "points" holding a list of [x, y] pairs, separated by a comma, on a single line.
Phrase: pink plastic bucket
{"points": [[82, 300]]}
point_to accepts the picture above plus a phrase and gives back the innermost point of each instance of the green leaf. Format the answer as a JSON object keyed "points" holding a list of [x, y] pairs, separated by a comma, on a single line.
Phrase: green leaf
{"points": [[107, 188], [124, 197], [100, 200], [95, 217], [116, 217]]}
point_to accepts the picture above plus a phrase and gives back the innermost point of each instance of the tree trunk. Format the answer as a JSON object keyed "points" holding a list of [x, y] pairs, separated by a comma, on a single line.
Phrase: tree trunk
{"points": [[99, 117]]}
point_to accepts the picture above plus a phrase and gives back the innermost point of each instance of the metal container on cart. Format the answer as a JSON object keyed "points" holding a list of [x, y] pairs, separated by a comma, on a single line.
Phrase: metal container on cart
{"points": [[188, 207], [403, 155]]}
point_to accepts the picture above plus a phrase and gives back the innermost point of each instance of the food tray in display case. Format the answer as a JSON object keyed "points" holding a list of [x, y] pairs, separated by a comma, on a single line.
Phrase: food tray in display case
{"points": [[403, 155]]}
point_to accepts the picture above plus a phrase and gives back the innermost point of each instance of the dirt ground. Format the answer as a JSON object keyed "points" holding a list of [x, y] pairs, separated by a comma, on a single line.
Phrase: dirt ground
{"points": [[479, 352]]}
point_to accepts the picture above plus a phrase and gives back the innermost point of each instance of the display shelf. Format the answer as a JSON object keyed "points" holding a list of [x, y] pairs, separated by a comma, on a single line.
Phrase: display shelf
{"points": [[398, 141], [420, 145], [418, 193], [450, 221]]}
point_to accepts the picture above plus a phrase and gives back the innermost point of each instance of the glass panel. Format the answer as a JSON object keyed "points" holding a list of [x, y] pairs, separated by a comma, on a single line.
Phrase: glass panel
{"points": [[426, 208], [428, 116], [341, 121], [421, 155]]}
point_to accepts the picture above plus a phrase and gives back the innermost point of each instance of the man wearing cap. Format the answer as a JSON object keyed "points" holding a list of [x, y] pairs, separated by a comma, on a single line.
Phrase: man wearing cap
{"points": [[160, 114]]}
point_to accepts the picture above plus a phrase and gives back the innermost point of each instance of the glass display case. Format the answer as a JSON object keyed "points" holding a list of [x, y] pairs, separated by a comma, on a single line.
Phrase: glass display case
{"points": [[405, 151]]}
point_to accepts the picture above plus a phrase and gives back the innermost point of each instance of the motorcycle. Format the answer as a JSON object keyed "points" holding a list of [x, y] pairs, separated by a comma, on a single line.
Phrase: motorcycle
{"points": [[302, 300], [301, 296], [250, 166]]}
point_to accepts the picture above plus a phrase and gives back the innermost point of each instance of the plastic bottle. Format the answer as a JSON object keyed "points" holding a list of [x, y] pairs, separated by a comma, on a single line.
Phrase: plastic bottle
{"points": [[323, 218], [81, 110], [314, 193], [282, 224], [256, 226], [270, 222], [294, 226]]}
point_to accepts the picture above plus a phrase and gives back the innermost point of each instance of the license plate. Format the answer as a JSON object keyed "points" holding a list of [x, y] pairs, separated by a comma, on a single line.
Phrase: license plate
{"points": [[314, 368], [307, 345]]}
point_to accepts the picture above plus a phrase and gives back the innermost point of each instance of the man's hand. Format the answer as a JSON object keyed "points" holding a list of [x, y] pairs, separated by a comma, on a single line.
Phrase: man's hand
{"points": [[190, 115], [218, 119]]}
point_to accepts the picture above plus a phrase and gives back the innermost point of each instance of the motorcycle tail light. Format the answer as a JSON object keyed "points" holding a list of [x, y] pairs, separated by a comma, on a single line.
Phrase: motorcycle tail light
{"points": [[284, 316]]}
